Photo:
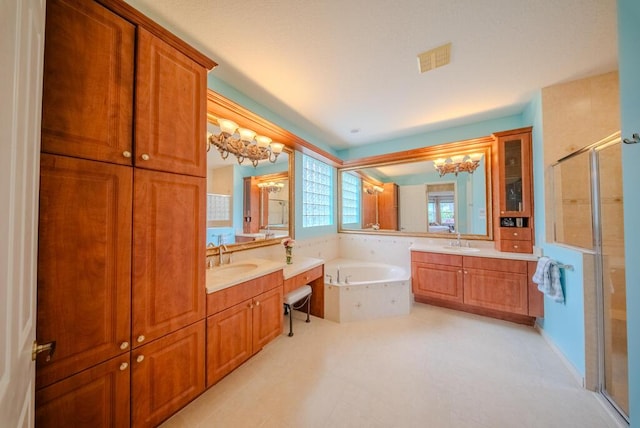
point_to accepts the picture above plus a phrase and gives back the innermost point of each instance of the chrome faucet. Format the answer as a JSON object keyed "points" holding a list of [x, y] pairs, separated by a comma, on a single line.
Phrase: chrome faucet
{"points": [[338, 276], [458, 240], [346, 279], [330, 278], [221, 249]]}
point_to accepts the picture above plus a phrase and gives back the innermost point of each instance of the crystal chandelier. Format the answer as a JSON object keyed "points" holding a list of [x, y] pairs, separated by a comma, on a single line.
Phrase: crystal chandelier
{"points": [[458, 163], [271, 186], [247, 145]]}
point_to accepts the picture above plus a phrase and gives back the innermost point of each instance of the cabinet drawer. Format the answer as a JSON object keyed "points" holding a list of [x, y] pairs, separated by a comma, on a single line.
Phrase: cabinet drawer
{"points": [[223, 299], [501, 265], [303, 278], [515, 233], [514, 246], [436, 258]]}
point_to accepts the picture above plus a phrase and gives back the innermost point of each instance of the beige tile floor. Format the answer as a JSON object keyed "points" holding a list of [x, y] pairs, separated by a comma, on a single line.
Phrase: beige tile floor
{"points": [[432, 368]]}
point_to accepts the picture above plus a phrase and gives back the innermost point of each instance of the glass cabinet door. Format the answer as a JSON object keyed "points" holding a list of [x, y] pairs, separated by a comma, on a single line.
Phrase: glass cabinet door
{"points": [[515, 175]]}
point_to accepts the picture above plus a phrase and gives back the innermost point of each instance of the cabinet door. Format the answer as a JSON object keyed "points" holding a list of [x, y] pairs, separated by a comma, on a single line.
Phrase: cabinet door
{"points": [[171, 111], [84, 264], [167, 374], [168, 253], [267, 317], [514, 154], [503, 291], [229, 340], [437, 281], [87, 101], [535, 296], [97, 397]]}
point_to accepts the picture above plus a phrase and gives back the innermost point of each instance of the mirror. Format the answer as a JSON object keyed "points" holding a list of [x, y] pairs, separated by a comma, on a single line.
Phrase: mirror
{"points": [[404, 194], [247, 204]]}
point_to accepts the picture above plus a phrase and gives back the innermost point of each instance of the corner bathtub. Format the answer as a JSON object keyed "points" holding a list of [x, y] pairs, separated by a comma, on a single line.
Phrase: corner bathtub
{"points": [[366, 290]]}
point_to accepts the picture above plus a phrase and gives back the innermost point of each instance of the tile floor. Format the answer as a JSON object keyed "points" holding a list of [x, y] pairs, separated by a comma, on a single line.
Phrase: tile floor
{"points": [[432, 368]]}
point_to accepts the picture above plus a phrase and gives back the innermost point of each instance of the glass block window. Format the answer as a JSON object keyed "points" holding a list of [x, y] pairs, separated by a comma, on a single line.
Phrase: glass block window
{"points": [[350, 199], [317, 193]]}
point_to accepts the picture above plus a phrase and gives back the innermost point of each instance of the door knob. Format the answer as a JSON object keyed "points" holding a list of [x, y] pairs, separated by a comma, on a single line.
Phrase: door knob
{"points": [[145, 157], [126, 154], [46, 347]]}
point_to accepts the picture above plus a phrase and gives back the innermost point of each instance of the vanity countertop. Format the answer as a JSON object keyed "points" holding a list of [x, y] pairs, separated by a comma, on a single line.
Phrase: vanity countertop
{"points": [[300, 265], [221, 277], [474, 252]]}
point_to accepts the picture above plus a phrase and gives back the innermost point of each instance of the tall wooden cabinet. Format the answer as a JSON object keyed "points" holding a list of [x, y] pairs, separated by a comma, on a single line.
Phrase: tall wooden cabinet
{"points": [[513, 191], [122, 228]]}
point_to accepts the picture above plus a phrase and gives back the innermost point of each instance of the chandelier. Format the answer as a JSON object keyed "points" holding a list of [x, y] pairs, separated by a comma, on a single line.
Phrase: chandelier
{"points": [[247, 145], [271, 186], [458, 163]]}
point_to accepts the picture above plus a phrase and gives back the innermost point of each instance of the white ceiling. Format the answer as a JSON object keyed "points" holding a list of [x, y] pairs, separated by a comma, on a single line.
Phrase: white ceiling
{"points": [[332, 66]]}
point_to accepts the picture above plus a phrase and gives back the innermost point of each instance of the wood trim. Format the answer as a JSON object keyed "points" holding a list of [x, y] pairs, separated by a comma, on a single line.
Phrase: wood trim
{"points": [[440, 150], [219, 106], [136, 17], [512, 132], [517, 318]]}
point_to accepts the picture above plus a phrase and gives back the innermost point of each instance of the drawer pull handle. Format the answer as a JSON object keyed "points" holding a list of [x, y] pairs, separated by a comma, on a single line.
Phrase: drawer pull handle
{"points": [[515, 233], [515, 246], [124, 345], [126, 154], [257, 303], [145, 157], [123, 366], [141, 338], [140, 358]]}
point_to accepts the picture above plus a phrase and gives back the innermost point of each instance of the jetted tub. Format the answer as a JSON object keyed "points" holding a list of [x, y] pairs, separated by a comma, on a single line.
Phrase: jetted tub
{"points": [[365, 290]]}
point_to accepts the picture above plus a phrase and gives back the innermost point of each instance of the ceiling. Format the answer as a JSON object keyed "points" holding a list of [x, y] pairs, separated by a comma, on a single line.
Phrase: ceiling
{"points": [[345, 71]]}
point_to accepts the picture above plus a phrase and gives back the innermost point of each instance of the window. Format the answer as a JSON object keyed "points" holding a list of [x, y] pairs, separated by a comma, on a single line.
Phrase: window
{"points": [[317, 193], [350, 199]]}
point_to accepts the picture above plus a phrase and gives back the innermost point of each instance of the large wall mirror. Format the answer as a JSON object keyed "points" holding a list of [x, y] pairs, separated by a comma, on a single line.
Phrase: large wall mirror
{"points": [[247, 205], [404, 194]]}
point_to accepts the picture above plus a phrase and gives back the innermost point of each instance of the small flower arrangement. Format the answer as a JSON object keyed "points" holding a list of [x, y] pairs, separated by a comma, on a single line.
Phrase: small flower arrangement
{"points": [[288, 242]]}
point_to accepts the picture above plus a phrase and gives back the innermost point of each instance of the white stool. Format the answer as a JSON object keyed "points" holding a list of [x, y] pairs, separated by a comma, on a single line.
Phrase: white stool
{"points": [[293, 297]]}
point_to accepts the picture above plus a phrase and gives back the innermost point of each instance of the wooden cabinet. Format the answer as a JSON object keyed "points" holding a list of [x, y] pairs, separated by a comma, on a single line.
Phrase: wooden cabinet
{"points": [[84, 264], [87, 101], [438, 276], [169, 253], [512, 185], [388, 207], [315, 278], [120, 248], [167, 374], [500, 288], [496, 284], [242, 320], [536, 298], [171, 110], [97, 397]]}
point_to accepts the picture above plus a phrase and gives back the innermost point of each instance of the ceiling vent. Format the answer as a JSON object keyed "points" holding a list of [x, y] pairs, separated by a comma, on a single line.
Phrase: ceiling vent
{"points": [[434, 58]]}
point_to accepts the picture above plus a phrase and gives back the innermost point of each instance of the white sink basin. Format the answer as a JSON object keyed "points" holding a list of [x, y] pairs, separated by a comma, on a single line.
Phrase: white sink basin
{"points": [[235, 269], [461, 249]]}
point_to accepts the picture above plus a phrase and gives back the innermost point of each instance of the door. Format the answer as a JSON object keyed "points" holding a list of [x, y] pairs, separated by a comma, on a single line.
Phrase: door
{"points": [[610, 243], [170, 109], [437, 281], [413, 208], [168, 287], [267, 317], [21, 53], [84, 264]]}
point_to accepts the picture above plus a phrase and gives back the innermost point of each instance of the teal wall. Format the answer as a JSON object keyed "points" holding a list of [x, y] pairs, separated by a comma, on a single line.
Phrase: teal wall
{"points": [[563, 323], [629, 63]]}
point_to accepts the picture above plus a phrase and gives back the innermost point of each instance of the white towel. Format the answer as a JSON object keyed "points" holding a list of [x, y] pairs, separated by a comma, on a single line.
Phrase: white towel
{"points": [[547, 277]]}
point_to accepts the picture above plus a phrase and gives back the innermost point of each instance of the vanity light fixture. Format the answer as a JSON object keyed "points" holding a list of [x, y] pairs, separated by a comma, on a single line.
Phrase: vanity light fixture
{"points": [[372, 190], [458, 163], [271, 186], [247, 145]]}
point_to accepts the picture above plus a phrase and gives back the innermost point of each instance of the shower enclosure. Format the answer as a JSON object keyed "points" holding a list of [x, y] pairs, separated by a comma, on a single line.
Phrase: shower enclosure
{"points": [[588, 213]]}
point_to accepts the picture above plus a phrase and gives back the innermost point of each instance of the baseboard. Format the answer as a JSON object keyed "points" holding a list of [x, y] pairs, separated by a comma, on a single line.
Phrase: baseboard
{"points": [[574, 372]]}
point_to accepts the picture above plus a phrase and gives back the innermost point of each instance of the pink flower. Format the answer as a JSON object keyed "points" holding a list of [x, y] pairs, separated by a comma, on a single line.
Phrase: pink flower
{"points": [[288, 242]]}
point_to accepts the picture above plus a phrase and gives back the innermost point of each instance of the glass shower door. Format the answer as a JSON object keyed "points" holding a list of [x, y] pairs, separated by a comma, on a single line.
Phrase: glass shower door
{"points": [[614, 376]]}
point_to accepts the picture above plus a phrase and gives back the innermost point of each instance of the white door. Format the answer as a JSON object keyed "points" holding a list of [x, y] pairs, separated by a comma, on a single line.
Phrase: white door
{"points": [[413, 208], [21, 56]]}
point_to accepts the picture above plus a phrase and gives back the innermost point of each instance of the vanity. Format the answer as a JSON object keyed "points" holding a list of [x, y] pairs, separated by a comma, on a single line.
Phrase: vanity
{"points": [[244, 308], [486, 282]]}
